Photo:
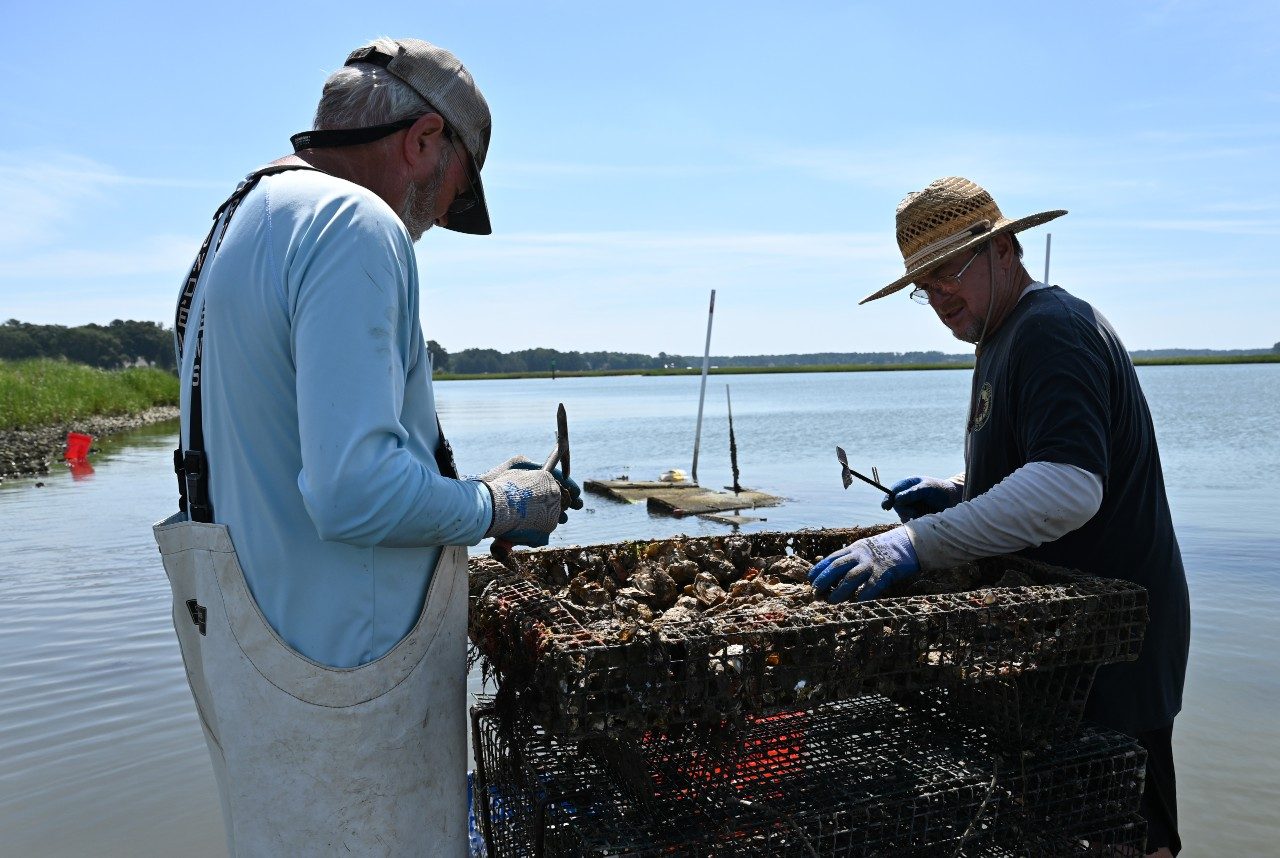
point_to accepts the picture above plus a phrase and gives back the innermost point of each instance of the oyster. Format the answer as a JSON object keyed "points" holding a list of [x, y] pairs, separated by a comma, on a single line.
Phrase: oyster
{"points": [[630, 609], [588, 593], [792, 568], [1015, 578], [739, 550], [722, 569], [656, 586], [678, 616], [707, 589], [688, 603], [746, 587], [683, 571]]}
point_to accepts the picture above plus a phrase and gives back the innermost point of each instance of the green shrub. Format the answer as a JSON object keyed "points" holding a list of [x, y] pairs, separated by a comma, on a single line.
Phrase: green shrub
{"points": [[50, 392]]}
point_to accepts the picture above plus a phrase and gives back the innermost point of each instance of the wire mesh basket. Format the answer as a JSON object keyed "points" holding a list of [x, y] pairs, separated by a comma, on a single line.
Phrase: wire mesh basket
{"points": [[1031, 709], [1124, 836], [863, 777], [569, 633]]}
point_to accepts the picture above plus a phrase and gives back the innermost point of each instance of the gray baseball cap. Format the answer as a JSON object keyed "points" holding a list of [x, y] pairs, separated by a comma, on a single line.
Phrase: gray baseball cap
{"points": [[445, 84]]}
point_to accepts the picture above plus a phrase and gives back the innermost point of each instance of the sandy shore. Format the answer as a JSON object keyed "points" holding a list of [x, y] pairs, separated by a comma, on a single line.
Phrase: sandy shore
{"points": [[32, 452]]}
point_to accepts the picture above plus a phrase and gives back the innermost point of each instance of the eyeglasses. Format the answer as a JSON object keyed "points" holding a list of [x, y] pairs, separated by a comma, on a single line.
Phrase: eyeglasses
{"points": [[467, 200], [950, 283]]}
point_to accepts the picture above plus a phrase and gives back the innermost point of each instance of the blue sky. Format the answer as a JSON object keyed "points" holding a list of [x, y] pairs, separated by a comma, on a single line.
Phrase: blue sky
{"points": [[645, 153]]}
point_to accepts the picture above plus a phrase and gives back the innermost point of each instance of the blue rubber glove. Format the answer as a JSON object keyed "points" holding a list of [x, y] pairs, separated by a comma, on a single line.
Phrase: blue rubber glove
{"points": [[866, 567], [531, 538], [917, 496]]}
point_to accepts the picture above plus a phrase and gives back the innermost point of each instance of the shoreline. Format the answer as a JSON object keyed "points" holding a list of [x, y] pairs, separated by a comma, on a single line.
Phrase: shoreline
{"points": [[33, 452], [1197, 360]]}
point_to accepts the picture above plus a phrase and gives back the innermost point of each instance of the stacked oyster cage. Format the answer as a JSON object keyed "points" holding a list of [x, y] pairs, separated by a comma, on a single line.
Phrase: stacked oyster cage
{"points": [[689, 696]]}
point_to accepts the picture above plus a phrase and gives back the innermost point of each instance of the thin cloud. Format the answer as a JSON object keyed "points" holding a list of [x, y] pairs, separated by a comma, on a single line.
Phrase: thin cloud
{"points": [[577, 249], [153, 255], [63, 168], [45, 192], [566, 168], [1049, 163], [1239, 131], [1229, 226], [1242, 206]]}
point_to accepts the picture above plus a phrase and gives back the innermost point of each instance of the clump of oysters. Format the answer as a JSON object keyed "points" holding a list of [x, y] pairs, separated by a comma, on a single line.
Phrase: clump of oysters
{"points": [[667, 584], [670, 583]]}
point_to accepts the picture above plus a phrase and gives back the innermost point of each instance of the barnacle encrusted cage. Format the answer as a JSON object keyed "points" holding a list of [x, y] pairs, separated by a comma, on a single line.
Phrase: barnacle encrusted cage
{"points": [[637, 636], [861, 777]]}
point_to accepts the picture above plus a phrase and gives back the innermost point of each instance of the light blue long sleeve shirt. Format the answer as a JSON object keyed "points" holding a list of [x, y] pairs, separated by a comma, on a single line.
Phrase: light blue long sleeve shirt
{"points": [[319, 417]]}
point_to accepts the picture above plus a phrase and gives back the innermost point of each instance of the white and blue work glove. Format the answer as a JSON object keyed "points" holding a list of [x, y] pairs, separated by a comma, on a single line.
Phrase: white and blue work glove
{"points": [[522, 497], [867, 567], [571, 487], [917, 496]]}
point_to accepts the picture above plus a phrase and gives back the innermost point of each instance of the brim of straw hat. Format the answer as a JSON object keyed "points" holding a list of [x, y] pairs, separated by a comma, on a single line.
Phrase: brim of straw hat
{"points": [[1002, 226]]}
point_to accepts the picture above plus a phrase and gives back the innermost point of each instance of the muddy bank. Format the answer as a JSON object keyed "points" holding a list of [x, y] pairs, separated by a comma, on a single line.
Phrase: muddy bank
{"points": [[32, 452]]}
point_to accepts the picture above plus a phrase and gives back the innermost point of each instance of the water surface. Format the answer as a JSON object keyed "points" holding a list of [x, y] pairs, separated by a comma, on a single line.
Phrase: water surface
{"points": [[100, 750]]}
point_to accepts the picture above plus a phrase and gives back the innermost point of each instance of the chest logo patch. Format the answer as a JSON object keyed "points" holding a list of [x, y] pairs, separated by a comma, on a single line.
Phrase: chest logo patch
{"points": [[981, 409]]}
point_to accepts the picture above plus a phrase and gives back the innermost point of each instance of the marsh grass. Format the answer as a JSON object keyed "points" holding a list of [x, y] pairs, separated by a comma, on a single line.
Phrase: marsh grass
{"points": [[36, 393], [1202, 360]]}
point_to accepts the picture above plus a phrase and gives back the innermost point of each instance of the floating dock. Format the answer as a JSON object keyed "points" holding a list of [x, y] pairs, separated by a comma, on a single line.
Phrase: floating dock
{"points": [[681, 499]]}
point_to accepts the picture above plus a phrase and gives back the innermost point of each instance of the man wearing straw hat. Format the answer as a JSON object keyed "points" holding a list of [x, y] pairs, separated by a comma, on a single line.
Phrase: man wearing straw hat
{"points": [[318, 565], [1061, 463]]}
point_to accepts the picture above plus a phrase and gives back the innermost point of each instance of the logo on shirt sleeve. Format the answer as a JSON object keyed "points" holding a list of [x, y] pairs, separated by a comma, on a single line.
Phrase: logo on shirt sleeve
{"points": [[981, 409]]}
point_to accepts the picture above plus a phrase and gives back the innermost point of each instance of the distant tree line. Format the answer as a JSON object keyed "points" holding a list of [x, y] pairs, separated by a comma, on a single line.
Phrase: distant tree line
{"points": [[124, 343], [1177, 353], [110, 346], [484, 361]]}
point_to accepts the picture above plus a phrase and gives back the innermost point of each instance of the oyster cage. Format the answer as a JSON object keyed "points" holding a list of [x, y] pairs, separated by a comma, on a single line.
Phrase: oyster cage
{"points": [[1126, 836], [856, 778], [1034, 708], [579, 639]]}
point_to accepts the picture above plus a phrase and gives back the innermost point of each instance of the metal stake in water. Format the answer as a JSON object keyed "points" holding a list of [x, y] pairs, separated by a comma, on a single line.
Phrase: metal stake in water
{"points": [[733, 444], [1048, 239], [702, 394]]}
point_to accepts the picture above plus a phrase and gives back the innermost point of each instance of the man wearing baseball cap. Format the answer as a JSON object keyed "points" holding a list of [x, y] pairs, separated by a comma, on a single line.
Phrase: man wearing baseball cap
{"points": [[318, 565], [1061, 463]]}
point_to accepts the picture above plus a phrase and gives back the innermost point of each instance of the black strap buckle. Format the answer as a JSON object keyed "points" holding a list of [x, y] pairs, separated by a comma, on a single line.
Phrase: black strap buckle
{"points": [[195, 474], [182, 479], [199, 613]]}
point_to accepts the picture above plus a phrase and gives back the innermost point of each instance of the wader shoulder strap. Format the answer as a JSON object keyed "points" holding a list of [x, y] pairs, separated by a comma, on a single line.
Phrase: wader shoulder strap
{"points": [[192, 465], [444, 454]]}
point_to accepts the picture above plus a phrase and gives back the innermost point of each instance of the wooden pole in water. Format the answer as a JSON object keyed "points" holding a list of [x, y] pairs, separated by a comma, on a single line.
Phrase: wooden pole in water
{"points": [[733, 444], [1047, 240], [702, 394]]}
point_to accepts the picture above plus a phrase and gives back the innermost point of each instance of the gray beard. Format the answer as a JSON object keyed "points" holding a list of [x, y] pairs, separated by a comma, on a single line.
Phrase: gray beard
{"points": [[971, 334], [418, 211]]}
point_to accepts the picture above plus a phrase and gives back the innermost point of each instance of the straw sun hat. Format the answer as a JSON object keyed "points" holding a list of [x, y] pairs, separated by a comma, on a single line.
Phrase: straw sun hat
{"points": [[947, 218]]}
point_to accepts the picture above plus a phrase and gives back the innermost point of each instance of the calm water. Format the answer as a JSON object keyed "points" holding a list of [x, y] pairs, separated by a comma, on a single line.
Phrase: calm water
{"points": [[100, 751]]}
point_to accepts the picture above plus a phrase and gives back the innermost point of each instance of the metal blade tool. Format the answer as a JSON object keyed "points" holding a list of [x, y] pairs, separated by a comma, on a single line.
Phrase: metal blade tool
{"points": [[847, 474], [500, 549]]}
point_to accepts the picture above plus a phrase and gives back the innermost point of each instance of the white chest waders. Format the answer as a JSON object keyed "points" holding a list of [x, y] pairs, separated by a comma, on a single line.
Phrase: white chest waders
{"points": [[310, 759]]}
